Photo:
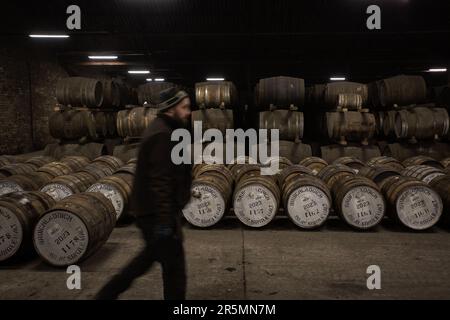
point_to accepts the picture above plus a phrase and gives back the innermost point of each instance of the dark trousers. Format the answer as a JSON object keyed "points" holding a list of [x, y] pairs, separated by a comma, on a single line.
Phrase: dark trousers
{"points": [[168, 251]]}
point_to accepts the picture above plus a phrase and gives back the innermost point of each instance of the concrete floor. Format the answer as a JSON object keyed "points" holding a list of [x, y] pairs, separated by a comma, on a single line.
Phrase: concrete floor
{"points": [[230, 261]]}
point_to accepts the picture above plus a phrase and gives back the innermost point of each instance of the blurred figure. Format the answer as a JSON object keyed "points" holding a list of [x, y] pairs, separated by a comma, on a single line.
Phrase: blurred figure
{"points": [[161, 190]]}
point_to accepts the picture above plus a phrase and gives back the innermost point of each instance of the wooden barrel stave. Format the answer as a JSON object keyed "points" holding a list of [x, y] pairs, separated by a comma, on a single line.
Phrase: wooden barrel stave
{"points": [[56, 168], [39, 161], [386, 161], [314, 163], [281, 92], [110, 161], [289, 123], [422, 172], [65, 186], [422, 160], [17, 169], [213, 119], [75, 162], [351, 162], [332, 173], [218, 94]]}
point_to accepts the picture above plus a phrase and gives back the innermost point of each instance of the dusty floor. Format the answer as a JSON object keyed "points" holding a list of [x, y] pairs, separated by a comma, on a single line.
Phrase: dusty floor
{"points": [[277, 262]]}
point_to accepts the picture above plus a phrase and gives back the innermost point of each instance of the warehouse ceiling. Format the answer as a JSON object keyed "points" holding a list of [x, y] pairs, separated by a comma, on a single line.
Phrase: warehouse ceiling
{"points": [[242, 40]]}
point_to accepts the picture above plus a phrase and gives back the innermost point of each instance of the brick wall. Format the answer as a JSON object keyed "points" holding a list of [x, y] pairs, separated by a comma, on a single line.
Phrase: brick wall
{"points": [[45, 73], [27, 96]]}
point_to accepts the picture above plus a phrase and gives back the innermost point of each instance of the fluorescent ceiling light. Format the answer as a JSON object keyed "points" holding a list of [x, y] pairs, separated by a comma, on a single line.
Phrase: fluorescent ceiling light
{"points": [[49, 36], [103, 57], [160, 79], [149, 79], [437, 70], [215, 79], [337, 78], [138, 71]]}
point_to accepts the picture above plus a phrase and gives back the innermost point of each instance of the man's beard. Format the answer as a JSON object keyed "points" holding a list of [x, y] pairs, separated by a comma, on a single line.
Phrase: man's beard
{"points": [[184, 123]]}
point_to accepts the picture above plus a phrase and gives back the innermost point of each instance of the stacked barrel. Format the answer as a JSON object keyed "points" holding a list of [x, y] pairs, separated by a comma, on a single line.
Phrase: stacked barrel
{"points": [[342, 120], [88, 108], [215, 101], [405, 119], [278, 100]]}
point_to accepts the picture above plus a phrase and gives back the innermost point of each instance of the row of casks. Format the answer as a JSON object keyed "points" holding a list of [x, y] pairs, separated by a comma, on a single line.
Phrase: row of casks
{"points": [[11, 165], [407, 149], [401, 90], [286, 92], [64, 231], [75, 174], [356, 189], [421, 122], [94, 93], [289, 123], [212, 94], [132, 122], [71, 124], [414, 190]]}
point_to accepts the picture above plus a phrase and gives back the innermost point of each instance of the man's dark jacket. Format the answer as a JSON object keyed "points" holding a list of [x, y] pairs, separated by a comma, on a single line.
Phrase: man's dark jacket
{"points": [[161, 188]]}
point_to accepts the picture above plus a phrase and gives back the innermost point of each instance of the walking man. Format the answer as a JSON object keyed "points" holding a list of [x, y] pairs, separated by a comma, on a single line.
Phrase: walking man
{"points": [[161, 190]]}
